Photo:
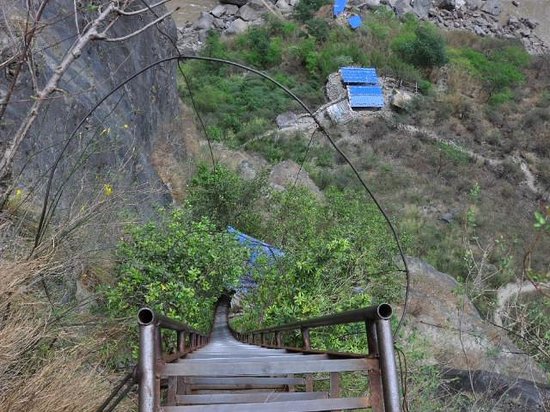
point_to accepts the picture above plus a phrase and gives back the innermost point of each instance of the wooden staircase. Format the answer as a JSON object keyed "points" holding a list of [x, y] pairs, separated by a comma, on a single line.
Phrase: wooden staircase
{"points": [[226, 374]]}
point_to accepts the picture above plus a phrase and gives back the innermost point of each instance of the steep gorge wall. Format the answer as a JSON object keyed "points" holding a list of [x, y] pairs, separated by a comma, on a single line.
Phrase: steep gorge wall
{"points": [[134, 144]]}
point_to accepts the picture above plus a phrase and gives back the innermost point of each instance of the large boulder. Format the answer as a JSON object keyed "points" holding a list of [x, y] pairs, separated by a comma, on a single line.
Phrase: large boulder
{"points": [[422, 7], [287, 173], [492, 7], [235, 2], [458, 337], [237, 26]]}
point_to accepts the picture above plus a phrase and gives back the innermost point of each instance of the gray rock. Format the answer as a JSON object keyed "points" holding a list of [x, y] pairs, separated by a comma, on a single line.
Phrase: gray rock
{"points": [[293, 3], [513, 21], [371, 4], [205, 22], [237, 26], [283, 6], [287, 119], [401, 99], [284, 175], [479, 30], [231, 10], [402, 7], [448, 217], [218, 11], [258, 5], [451, 4], [422, 8], [246, 170], [439, 313], [235, 2], [248, 13], [473, 4], [515, 3], [492, 7], [530, 23], [220, 24]]}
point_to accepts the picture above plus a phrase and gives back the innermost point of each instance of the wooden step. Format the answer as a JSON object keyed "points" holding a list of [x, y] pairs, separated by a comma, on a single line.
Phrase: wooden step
{"points": [[239, 383], [284, 406], [234, 359], [265, 368], [256, 397]]}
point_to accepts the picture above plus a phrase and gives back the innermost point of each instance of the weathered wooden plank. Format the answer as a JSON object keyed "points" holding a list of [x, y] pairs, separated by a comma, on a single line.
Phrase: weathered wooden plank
{"points": [[286, 406], [292, 358], [246, 380], [249, 397], [243, 368]]}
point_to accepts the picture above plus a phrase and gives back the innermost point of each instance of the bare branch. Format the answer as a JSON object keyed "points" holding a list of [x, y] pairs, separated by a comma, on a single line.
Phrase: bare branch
{"points": [[135, 33], [133, 13], [73, 53]]}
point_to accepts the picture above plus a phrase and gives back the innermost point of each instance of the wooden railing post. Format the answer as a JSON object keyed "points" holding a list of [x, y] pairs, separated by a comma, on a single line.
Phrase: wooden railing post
{"points": [[279, 338]]}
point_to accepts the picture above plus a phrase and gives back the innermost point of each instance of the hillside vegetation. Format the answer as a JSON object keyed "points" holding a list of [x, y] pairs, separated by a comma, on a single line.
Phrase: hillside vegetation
{"points": [[463, 172]]}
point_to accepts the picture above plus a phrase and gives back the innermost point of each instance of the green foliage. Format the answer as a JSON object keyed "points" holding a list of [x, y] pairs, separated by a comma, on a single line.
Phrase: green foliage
{"points": [[498, 69], [225, 198], [453, 153], [425, 48], [305, 9], [261, 48], [339, 256], [178, 266]]}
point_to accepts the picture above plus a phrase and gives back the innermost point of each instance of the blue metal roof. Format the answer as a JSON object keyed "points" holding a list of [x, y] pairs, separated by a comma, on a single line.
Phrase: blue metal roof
{"points": [[355, 22], [365, 90], [358, 75], [365, 96], [339, 6]]}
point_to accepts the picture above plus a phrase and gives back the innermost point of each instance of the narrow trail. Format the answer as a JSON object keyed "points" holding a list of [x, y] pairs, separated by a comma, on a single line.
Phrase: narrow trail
{"points": [[529, 178]]}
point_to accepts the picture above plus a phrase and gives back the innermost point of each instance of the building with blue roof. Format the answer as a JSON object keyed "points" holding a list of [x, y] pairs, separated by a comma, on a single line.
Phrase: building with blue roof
{"points": [[364, 91]]}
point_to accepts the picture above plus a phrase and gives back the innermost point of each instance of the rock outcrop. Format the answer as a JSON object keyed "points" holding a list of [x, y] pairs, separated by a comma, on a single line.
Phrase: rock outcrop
{"points": [[125, 141], [450, 324]]}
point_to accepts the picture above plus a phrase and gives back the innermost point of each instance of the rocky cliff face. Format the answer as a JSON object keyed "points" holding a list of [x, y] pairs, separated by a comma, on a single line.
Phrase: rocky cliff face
{"points": [[132, 145]]}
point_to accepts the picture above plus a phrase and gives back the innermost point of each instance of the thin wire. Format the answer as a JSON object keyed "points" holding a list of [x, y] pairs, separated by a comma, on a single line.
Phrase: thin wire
{"points": [[187, 83], [403, 374], [304, 106]]}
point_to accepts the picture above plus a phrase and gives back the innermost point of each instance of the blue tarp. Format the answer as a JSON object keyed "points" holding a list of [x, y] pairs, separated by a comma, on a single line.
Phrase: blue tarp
{"points": [[339, 6], [355, 22], [358, 75], [257, 249]]}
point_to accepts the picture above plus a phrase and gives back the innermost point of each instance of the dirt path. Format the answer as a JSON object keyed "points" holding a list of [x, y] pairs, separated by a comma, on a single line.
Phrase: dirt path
{"points": [[530, 179]]}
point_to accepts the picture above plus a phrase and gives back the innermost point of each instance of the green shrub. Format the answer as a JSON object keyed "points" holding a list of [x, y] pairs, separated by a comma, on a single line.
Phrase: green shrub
{"points": [[425, 48], [177, 266], [305, 9]]}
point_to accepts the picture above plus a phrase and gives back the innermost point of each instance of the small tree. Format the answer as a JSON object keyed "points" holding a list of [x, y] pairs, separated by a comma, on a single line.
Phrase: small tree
{"points": [[425, 49]]}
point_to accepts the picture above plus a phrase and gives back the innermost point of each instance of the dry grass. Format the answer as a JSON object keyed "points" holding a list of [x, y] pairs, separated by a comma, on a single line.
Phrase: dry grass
{"points": [[47, 364]]}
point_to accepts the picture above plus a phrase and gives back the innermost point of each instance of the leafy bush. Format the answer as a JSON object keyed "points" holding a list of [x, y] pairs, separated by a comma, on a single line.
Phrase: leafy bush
{"points": [[178, 266], [425, 48], [305, 9]]}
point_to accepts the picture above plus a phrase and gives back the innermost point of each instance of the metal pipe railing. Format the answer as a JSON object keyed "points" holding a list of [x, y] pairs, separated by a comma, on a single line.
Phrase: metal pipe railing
{"points": [[151, 356], [383, 382], [371, 313]]}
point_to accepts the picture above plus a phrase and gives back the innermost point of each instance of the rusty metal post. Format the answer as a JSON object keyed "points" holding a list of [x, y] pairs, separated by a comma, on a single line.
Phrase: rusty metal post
{"points": [[279, 339], [149, 384], [307, 345], [375, 381], [181, 341], [388, 366]]}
